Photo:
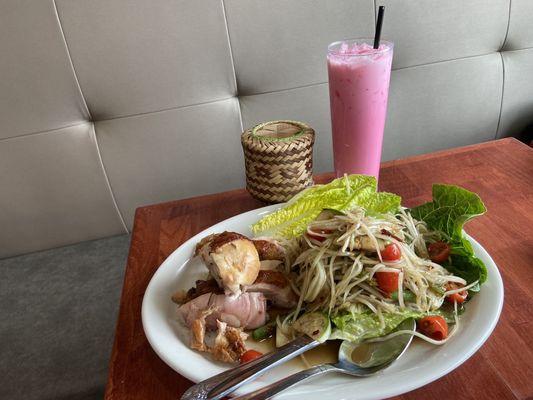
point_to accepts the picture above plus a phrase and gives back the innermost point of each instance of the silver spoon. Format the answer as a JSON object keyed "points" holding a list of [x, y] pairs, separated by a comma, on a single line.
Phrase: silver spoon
{"points": [[358, 360]]}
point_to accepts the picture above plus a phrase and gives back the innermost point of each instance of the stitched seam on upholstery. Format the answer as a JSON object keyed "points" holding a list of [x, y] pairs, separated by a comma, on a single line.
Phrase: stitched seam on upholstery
{"points": [[232, 61], [44, 132], [508, 25], [285, 90], [445, 61], [70, 60], [106, 178], [203, 103], [229, 98], [515, 50], [97, 151], [110, 188], [501, 102], [503, 72], [394, 69]]}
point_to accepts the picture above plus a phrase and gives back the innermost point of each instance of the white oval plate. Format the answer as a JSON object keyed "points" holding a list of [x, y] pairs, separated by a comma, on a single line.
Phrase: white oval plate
{"points": [[422, 363]]}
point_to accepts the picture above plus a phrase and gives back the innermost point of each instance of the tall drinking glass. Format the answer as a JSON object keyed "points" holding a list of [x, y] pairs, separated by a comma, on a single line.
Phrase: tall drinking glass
{"points": [[359, 77]]}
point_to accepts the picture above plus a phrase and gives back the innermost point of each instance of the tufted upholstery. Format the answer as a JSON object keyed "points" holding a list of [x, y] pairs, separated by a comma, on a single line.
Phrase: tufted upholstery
{"points": [[106, 105]]}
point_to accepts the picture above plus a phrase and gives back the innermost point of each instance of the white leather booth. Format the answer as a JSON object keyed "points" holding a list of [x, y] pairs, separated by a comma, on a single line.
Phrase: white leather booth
{"points": [[107, 105]]}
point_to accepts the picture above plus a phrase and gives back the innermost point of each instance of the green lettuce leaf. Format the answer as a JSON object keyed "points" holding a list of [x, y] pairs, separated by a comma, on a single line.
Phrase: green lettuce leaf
{"points": [[468, 267], [450, 209], [357, 327], [341, 194]]}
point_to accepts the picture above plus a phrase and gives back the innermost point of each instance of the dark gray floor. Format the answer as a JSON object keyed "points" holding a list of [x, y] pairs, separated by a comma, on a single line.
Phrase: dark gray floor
{"points": [[58, 313]]}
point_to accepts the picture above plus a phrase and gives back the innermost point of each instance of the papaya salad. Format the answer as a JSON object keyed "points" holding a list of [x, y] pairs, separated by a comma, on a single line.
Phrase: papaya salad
{"points": [[338, 261]]}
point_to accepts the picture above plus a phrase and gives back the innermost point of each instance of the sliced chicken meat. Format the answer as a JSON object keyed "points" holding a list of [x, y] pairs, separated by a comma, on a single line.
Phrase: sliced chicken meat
{"points": [[232, 260], [247, 311], [276, 288]]}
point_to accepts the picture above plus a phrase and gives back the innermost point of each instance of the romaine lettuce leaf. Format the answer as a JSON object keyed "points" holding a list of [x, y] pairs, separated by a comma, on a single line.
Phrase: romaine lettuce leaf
{"points": [[341, 194], [357, 327], [450, 209]]}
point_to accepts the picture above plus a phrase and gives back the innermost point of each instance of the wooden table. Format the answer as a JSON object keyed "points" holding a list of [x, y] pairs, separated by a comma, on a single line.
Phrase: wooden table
{"points": [[501, 172]]}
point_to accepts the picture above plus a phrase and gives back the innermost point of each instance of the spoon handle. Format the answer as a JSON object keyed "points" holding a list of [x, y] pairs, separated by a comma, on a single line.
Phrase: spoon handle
{"points": [[274, 388], [226, 382]]}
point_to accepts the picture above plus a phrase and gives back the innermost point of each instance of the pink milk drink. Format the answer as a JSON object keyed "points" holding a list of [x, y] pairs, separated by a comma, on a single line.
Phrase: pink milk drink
{"points": [[359, 77]]}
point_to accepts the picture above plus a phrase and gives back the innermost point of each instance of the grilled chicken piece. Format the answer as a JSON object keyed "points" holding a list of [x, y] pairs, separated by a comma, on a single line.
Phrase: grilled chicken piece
{"points": [[276, 288], [247, 311], [269, 249], [229, 343], [232, 260]]}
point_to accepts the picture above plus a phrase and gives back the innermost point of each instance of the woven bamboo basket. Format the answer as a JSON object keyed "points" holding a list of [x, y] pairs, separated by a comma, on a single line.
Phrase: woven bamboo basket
{"points": [[278, 158]]}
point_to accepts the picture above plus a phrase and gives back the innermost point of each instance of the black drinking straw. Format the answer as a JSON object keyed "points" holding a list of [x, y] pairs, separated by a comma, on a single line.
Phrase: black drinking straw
{"points": [[379, 24]]}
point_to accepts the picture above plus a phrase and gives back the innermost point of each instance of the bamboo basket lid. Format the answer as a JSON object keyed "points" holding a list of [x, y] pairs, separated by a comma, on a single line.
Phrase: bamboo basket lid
{"points": [[278, 159]]}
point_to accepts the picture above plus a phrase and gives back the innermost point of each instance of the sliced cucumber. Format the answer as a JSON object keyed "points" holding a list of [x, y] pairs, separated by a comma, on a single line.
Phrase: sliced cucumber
{"points": [[315, 325], [408, 296], [264, 332]]}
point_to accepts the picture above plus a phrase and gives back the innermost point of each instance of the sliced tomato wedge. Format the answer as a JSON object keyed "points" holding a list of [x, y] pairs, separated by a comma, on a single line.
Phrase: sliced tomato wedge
{"points": [[250, 355], [392, 252], [433, 326], [439, 252], [458, 297], [387, 281]]}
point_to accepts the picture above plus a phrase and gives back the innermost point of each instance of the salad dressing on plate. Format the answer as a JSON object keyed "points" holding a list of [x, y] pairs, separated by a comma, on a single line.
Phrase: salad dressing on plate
{"points": [[325, 353]]}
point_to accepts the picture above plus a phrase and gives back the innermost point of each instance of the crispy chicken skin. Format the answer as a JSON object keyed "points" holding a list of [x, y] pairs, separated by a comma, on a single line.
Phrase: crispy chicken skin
{"points": [[229, 343], [232, 260], [198, 331], [202, 287], [269, 249]]}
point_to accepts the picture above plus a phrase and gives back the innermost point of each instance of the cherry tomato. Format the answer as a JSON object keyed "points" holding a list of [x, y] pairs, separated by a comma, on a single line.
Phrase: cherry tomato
{"points": [[391, 252], [433, 326], [387, 281], [459, 297], [250, 355], [319, 238], [439, 252]]}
